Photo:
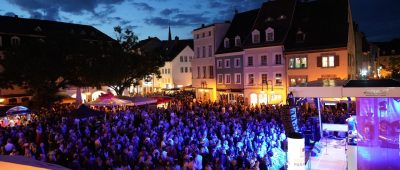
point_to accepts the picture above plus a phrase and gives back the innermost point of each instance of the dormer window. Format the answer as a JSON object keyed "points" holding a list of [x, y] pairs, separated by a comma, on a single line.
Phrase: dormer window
{"points": [[300, 36], [226, 43], [15, 41], [237, 41], [38, 29], [255, 36], [269, 34]]}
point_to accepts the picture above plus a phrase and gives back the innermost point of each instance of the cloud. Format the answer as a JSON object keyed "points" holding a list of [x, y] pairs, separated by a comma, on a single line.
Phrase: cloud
{"points": [[40, 8], [143, 6], [181, 19], [169, 11]]}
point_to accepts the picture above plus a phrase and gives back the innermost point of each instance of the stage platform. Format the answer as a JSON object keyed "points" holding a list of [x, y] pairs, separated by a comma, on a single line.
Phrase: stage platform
{"points": [[332, 156]]}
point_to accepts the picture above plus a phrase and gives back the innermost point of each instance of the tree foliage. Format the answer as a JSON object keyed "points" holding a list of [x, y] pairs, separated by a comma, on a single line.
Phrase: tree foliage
{"points": [[43, 66], [137, 63]]}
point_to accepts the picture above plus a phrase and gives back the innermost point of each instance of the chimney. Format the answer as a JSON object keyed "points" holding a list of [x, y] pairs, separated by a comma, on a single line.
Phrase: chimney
{"points": [[202, 25]]}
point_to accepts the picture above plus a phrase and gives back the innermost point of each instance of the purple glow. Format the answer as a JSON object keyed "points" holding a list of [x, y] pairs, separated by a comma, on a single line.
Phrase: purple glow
{"points": [[378, 123]]}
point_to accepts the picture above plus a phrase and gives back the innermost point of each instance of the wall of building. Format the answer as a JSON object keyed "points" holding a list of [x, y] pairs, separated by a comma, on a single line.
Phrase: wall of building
{"points": [[179, 78], [265, 94], [312, 72]]}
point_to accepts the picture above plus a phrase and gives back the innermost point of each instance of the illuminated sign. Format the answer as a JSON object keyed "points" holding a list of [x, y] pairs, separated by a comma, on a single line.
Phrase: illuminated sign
{"points": [[376, 92]]}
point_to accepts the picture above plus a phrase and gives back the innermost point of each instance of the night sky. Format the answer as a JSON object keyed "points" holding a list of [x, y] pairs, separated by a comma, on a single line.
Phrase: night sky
{"points": [[379, 19]]}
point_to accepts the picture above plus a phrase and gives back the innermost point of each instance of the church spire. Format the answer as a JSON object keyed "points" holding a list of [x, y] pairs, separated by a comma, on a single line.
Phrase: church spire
{"points": [[169, 33]]}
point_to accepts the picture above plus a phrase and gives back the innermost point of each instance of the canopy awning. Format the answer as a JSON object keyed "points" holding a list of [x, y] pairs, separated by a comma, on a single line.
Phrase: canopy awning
{"points": [[110, 102], [139, 100]]}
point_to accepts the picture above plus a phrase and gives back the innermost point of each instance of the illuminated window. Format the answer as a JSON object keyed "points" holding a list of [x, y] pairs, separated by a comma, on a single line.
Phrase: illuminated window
{"points": [[278, 79], [297, 62], [328, 61]]}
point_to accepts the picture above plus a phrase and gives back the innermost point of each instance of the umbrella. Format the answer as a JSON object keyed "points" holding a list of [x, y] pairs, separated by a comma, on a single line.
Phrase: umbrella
{"points": [[18, 110], [110, 102], [139, 100]]}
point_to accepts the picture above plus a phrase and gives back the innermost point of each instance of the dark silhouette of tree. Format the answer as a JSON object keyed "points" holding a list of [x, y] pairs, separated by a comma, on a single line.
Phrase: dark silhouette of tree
{"points": [[43, 66], [138, 63]]}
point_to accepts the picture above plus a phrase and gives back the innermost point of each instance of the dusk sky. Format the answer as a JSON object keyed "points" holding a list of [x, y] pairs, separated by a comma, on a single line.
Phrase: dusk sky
{"points": [[380, 20]]}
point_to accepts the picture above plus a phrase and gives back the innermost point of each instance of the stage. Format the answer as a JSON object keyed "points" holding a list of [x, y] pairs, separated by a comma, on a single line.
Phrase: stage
{"points": [[332, 156]]}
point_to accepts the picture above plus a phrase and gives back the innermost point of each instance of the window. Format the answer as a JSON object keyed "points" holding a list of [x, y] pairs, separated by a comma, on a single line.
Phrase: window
{"points": [[237, 63], [227, 79], [219, 63], [15, 41], [198, 72], [278, 79], [197, 36], [237, 41], [220, 78], [204, 52], [250, 61], [181, 59], [209, 33], [181, 69], [204, 71], [211, 70], [263, 60], [185, 58], [190, 58], [198, 52], [250, 79], [238, 78], [210, 52], [297, 62], [264, 79], [297, 80], [190, 69], [204, 34], [226, 43], [278, 59], [327, 61], [270, 34], [255, 36], [186, 69], [269, 19], [227, 63], [169, 71]]}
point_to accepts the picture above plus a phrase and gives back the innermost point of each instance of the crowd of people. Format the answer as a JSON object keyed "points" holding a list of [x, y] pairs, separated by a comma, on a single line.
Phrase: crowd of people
{"points": [[186, 135]]}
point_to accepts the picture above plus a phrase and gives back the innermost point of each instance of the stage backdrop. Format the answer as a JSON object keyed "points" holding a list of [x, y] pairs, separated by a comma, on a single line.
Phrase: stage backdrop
{"points": [[378, 124]]}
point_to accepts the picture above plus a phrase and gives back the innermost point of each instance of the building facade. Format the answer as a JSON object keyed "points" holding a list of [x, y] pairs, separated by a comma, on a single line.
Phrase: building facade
{"points": [[206, 41], [321, 44]]}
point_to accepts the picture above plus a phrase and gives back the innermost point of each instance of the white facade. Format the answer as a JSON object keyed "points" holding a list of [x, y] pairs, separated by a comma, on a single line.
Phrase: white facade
{"points": [[178, 72], [206, 42]]}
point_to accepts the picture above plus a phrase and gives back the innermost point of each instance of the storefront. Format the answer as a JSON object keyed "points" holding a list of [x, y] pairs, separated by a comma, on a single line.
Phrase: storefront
{"points": [[231, 96]]}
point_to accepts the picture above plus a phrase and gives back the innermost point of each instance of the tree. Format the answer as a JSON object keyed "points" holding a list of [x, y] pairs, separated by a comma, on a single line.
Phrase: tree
{"points": [[138, 62], [43, 66], [394, 67]]}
